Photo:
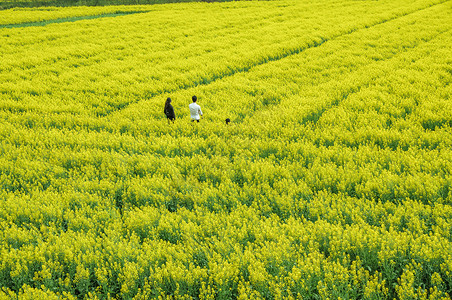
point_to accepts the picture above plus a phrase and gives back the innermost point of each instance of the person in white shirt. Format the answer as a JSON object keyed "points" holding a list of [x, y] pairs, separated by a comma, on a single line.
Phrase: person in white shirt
{"points": [[195, 110]]}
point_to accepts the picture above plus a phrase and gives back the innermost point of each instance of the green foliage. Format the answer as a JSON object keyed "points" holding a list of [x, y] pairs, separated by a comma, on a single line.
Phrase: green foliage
{"points": [[8, 4]]}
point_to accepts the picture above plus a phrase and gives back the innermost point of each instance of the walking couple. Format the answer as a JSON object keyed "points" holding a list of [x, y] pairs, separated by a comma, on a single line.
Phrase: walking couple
{"points": [[195, 110]]}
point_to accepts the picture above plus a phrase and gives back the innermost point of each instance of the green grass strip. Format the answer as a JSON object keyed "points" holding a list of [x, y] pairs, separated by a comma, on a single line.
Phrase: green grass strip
{"points": [[71, 19]]}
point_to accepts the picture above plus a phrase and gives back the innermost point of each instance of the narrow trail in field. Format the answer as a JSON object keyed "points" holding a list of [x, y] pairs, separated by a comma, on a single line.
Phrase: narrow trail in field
{"points": [[277, 56], [68, 20], [356, 89], [367, 78]]}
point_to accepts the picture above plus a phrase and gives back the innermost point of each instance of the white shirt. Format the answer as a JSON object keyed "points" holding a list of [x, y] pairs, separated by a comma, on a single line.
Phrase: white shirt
{"points": [[195, 111]]}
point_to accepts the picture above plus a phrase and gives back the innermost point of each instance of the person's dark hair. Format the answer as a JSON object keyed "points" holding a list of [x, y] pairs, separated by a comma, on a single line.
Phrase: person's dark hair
{"points": [[194, 98], [227, 121], [168, 101]]}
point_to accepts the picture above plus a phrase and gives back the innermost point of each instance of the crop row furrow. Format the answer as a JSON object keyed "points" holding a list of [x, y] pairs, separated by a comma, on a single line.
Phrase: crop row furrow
{"points": [[367, 79], [69, 19]]}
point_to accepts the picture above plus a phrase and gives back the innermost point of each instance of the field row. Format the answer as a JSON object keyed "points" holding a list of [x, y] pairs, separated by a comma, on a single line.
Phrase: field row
{"points": [[41, 15]]}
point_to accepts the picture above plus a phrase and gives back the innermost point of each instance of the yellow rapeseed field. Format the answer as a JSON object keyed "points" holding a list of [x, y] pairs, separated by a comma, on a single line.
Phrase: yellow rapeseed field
{"points": [[333, 179]]}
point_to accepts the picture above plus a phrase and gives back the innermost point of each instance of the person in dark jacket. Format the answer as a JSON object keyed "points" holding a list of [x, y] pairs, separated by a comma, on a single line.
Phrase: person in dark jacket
{"points": [[169, 111]]}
